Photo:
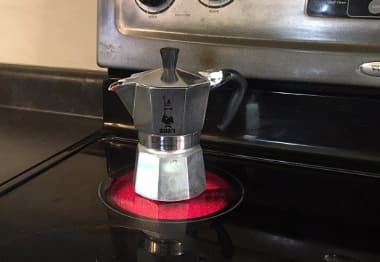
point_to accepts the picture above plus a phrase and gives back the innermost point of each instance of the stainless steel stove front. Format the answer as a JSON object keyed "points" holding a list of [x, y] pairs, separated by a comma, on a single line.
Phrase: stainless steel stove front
{"points": [[262, 39]]}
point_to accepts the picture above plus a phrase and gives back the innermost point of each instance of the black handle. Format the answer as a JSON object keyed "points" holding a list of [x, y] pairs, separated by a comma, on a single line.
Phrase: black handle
{"points": [[241, 86], [169, 57]]}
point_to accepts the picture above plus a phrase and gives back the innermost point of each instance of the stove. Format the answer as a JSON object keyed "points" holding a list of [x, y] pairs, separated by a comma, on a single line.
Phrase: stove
{"points": [[293, 177], [281, 187]]}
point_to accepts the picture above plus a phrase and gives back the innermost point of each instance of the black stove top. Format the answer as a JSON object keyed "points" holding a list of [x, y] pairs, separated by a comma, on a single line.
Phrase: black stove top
{"points": [[288, 214]]}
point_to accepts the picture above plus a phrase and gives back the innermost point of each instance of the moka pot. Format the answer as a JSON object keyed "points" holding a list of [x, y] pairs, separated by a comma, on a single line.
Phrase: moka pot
{"points": [[168, 107]]}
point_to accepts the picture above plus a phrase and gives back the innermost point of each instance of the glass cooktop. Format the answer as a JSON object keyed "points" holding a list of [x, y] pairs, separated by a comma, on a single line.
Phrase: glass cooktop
{"points": [[288, 213]]}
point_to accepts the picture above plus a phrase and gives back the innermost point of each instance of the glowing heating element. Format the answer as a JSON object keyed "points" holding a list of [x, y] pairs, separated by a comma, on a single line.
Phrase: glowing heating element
{"points": [[218, 196]]}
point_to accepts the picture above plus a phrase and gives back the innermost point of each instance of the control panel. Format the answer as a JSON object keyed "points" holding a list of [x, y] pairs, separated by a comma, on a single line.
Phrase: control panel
{"points": [[154, 6], [157, 6], [242, 22], [344, 8], [273, 39], [156, 18]]}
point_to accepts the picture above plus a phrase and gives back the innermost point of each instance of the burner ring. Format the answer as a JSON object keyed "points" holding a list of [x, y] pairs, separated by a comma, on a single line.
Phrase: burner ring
{"points": [[224, 193]]}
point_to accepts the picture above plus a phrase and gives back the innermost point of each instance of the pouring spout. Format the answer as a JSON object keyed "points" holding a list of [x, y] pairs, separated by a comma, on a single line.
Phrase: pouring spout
{"points": [[115, 86], [125, 90]]}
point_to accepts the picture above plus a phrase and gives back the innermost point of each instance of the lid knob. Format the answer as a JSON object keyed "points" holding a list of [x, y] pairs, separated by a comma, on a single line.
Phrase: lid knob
{"points": [[169, 57]]}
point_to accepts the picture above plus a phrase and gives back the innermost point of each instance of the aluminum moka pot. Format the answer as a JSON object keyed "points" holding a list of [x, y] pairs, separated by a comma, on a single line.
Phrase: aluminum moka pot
{"points": [[168, 107]]}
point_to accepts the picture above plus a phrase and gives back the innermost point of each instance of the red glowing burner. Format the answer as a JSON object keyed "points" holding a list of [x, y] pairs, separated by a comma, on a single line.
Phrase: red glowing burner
{"points": [[219, 194]]}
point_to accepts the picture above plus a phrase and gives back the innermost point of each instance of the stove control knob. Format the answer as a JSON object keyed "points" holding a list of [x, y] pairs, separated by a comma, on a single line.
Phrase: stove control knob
{"points": [[153, 3], [374, 7], [154, 6], [215, 3]]}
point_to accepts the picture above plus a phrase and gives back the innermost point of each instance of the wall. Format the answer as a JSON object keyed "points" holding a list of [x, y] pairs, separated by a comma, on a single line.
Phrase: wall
{"points": [[52, 33]]}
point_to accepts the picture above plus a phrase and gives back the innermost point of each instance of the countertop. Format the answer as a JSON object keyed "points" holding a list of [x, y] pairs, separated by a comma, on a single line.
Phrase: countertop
{"points": [[29, 137]]}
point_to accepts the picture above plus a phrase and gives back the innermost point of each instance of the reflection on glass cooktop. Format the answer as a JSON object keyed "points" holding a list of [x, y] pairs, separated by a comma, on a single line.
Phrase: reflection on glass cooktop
{"points": [[287, 214]]}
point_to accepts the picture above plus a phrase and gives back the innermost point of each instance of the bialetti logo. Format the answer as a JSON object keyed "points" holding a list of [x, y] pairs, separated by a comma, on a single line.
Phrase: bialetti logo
{"points": [[167, 118]]}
